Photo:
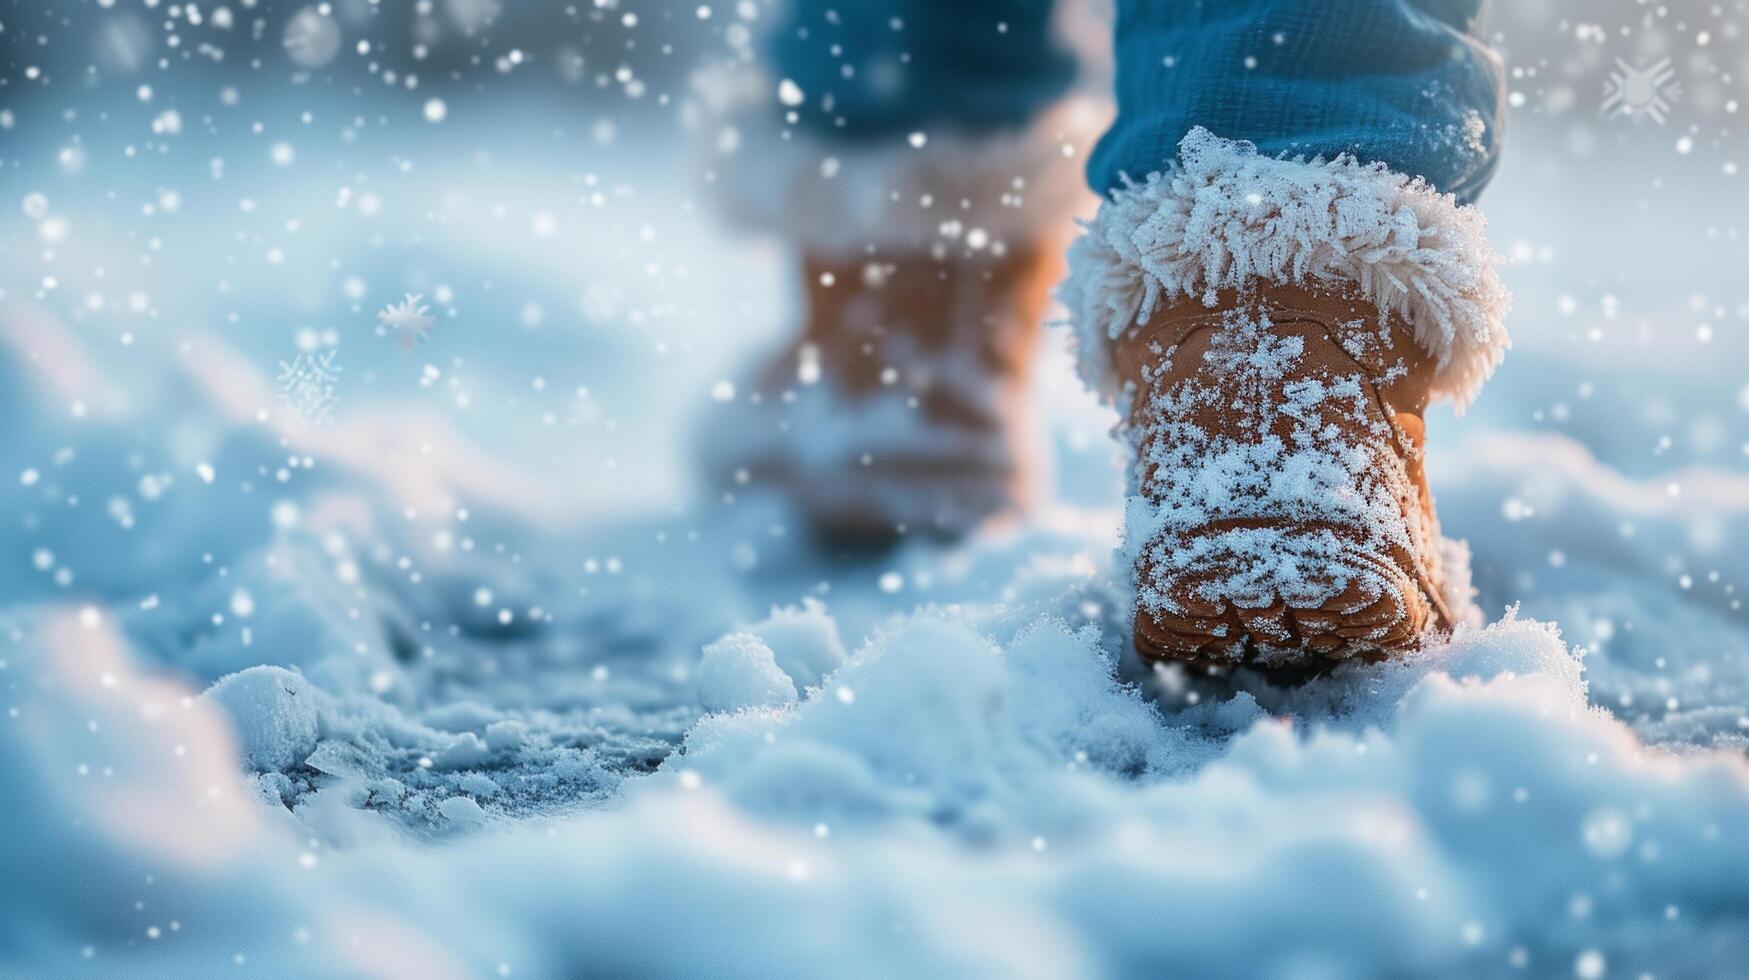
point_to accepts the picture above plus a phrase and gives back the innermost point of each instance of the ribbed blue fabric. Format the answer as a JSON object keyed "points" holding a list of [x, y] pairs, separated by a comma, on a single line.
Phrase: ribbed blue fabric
{"points": [[1409, 83]]}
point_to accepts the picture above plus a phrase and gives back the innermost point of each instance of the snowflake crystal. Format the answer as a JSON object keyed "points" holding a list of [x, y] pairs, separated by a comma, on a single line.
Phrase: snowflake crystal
{"points": [[1641, 93], [410, 318], [306, 385]]}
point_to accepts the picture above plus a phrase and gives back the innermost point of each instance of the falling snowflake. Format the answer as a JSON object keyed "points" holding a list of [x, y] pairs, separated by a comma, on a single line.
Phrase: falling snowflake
{"points": [[1641, 93], [409, 318], [306, 385], [312, 38]]}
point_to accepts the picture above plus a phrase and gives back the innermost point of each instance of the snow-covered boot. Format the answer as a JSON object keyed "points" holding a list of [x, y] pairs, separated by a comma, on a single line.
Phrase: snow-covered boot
{"points": [[1283, 509], [1272, 331], [900, 406]]}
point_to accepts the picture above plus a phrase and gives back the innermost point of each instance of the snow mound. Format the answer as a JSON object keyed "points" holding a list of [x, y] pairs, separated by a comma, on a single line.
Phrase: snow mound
{"points": [[1455, 803], [739, 671], [274, 712], [804, 640], [948, 803], [936, 720]]}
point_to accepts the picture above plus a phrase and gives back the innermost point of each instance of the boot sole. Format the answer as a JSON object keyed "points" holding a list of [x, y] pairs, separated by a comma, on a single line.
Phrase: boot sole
{"points": [[1383, 611]]}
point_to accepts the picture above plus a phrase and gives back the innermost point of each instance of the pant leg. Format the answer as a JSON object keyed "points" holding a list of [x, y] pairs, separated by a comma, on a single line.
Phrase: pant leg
{"points": [[821, 148], [1406, 83], [871, 68]]}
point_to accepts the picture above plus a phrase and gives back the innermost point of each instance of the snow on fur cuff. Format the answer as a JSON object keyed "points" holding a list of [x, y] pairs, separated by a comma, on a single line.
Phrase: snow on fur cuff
{"points": [[1227, 218], [903, 191]]}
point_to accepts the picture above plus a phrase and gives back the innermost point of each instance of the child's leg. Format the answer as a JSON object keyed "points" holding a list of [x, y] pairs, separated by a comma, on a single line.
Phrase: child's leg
{"points": [[1274, 314], [921, 158]]}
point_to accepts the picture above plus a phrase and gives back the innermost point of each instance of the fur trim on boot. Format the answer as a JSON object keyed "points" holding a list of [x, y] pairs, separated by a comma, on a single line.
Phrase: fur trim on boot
{"points": [[1226, 219]]}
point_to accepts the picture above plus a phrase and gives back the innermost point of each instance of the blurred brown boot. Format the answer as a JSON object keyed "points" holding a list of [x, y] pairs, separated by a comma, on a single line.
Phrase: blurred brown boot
{"points": [[927, 266], [1285, 514], [900, 406]]}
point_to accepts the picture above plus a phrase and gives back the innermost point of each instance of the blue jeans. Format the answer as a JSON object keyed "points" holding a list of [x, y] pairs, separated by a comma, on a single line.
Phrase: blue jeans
{"points": [[1407, 83]]}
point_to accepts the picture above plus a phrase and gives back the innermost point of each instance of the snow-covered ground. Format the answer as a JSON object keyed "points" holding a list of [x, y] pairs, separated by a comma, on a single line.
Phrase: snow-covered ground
{"points": [[480, 614]]}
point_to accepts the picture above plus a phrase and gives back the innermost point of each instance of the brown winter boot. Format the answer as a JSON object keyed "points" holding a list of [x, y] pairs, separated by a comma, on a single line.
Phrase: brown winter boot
{"points": [[1271, 331], [927, 265], [1283, 516], [899, 407]]}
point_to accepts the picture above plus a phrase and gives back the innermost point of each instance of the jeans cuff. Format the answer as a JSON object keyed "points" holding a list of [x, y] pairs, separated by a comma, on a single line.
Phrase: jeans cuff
{"points": [[1224, 218], [937, 190]]}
